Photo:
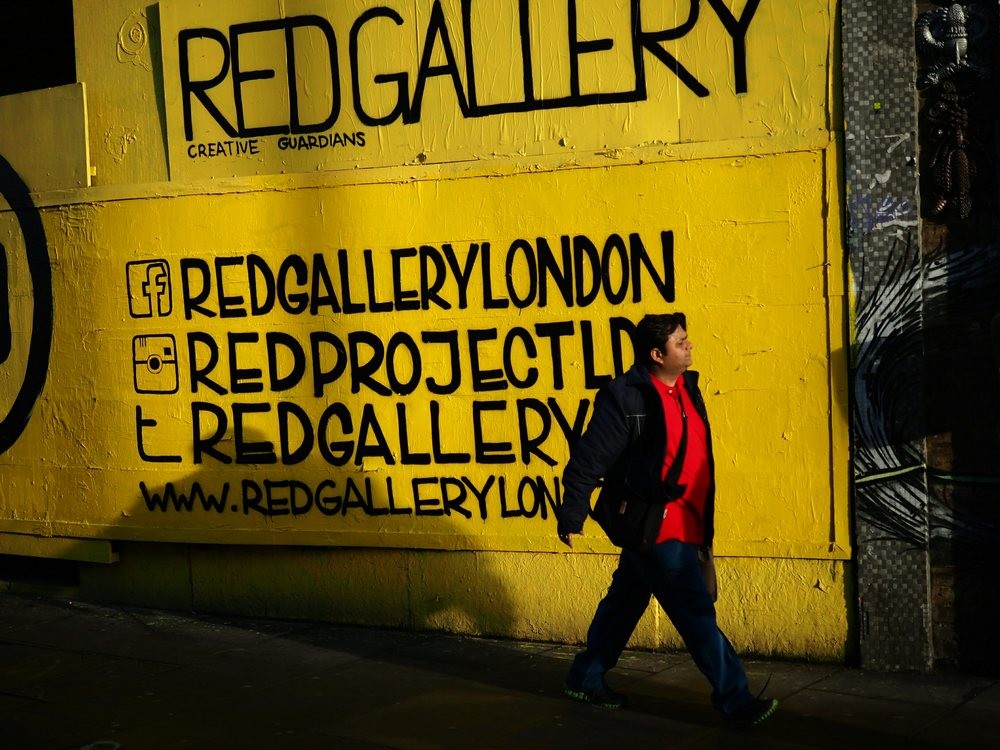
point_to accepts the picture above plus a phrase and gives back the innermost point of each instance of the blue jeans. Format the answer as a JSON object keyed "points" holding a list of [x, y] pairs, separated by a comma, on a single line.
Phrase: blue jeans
{"points": [[670, 572]]}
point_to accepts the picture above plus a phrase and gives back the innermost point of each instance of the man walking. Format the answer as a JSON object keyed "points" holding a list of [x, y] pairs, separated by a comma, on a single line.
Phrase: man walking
{"points": [[649, 440]]}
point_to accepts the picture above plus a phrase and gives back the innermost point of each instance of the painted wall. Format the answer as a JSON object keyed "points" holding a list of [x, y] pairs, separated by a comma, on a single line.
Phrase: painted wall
{"points": [[339, 281]]}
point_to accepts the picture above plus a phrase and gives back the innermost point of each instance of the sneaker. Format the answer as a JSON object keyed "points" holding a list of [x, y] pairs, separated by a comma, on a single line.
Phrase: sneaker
{"points": [[753, 713], [604, 697]]}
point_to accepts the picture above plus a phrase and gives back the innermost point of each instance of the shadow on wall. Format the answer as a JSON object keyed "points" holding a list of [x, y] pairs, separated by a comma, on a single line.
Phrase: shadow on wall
{"points": [[402, 586], [957, 163], [962, 339]]}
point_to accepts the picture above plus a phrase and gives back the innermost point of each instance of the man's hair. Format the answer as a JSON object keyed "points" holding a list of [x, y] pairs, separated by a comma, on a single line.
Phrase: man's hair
{"points": [[653, 331]]}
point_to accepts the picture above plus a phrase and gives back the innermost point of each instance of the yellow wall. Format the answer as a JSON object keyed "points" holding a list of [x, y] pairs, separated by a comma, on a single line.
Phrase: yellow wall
{"points": [[427, 236]]}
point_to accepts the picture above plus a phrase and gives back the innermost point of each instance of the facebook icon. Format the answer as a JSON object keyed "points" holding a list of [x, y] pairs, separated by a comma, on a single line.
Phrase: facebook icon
{"points": [[148, 288]]}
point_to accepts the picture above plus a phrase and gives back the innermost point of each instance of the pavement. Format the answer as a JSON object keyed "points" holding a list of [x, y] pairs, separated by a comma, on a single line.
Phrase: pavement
{"points": [[75, 675]]}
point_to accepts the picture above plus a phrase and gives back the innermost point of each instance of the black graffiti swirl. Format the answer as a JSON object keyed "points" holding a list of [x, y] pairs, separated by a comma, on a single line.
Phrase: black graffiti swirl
{"points": [[15, 193]]}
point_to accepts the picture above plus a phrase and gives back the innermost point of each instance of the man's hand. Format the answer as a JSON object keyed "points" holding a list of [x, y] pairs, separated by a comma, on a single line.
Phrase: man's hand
{"points": [[567, 539]]}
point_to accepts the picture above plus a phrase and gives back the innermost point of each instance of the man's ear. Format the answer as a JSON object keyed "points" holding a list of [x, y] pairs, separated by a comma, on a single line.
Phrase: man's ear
{"points": [[656, 354]]}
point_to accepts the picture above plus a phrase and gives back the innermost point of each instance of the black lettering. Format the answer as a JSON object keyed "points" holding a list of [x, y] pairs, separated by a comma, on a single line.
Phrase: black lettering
{"points": [[391, 496], [406, 457], [276, 340], [454, 503], [204, 445], [156, 501], [615, 244], [530, 442], [578, 47], [426, 506], [353, 498], [291, 456], [505, 510], [450, 339], [404, 299], [436, 27], [575, 432], [401, 80], [373, 304], [483, 380], [295, 488], [463, 274], [251, 451], [259, 274], [243, 379], [323, 340], [199, 375], [480, 494], [297, 302], [326, 500], [650, 41], [362, 372], [229, 306], [522, 247], [200, 88], [585, 250], [252, 498], [140, 426], [429, 289], [276, 504], [380, 447], [440, 457], [240, 76], [350, 306], [489, 453], [335, 453], [372, 509], [531, 377], [555, 332], [619, 326], [547, 499], [738, 33], [192, 302], [399, 341], [528, 510], [489, 301], [591, 379], [665, 283], [322, 287], [549, 267]]}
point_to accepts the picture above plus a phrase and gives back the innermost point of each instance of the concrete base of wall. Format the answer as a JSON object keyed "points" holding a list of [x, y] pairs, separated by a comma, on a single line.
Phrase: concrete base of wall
{"points": [[767, 607]]}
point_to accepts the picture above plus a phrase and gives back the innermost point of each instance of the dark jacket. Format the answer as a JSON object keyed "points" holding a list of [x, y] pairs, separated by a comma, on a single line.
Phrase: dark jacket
{"points": [[625, 443]]}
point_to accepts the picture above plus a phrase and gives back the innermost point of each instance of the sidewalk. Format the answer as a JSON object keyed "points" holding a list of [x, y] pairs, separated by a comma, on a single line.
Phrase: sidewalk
{"points": [[76, 676]]}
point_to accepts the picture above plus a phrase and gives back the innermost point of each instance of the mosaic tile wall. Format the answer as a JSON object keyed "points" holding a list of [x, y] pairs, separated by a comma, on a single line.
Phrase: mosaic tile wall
{"points": [[890, 500]]}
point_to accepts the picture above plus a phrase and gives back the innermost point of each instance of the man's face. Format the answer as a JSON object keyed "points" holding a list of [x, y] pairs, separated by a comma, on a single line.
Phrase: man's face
{"points": [[676, 352]]}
